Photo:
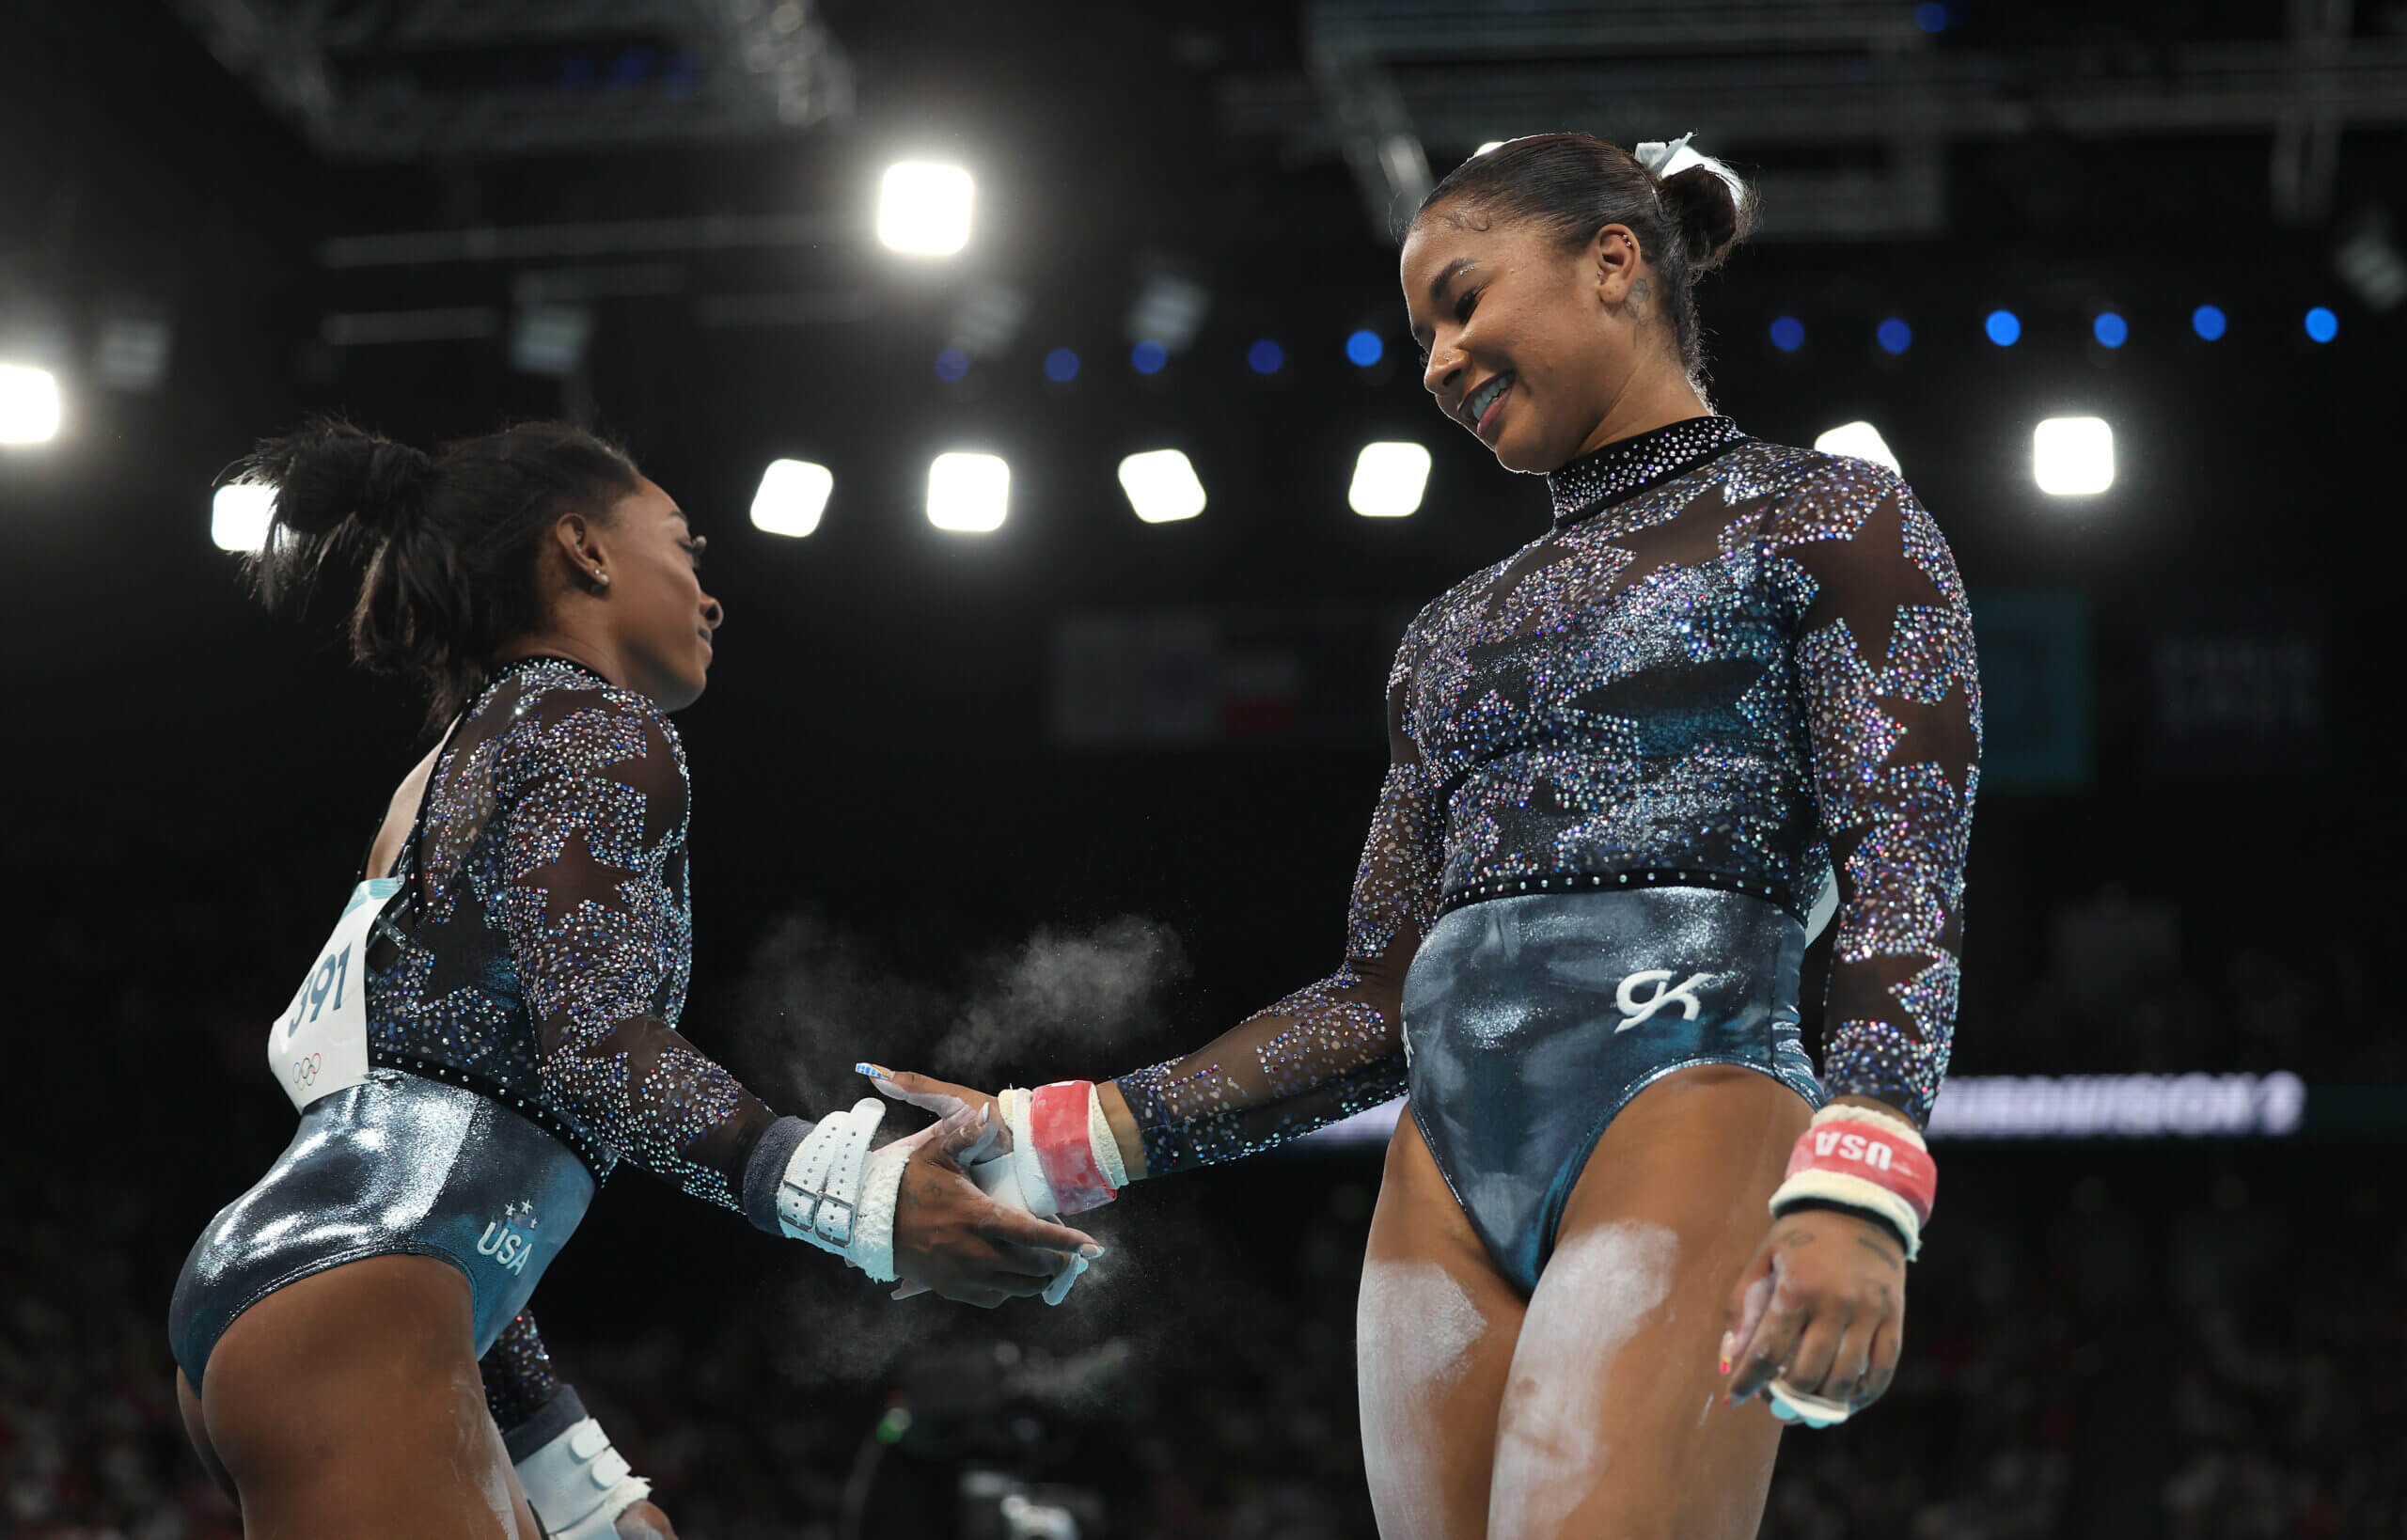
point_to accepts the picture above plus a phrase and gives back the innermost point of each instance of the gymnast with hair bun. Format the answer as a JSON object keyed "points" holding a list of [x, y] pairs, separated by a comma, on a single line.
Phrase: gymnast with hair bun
{"points": [[1725, 699], [491, 1028]]}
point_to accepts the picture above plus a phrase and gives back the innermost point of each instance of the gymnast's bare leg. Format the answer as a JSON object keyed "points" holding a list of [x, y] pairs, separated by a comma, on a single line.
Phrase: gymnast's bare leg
{"points": [[1596, 1408], [323, 1427]]}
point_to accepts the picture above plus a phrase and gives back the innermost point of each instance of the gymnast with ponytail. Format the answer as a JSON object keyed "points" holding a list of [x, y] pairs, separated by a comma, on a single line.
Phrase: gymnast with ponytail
{"points": [[492, 1027], [1721, 697]]}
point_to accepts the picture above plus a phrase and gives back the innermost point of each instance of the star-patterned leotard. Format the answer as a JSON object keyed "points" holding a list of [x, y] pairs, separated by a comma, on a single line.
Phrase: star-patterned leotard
{"points": [[537, 956], [1727, 664]]}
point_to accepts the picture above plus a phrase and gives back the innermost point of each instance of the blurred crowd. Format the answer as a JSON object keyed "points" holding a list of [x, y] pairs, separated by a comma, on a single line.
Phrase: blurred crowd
{"points": [[2211, 1364], [2121, 989], [2200, 1342]]}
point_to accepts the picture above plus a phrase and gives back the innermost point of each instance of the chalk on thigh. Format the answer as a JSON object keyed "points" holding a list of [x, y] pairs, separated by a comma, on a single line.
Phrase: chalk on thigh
{"points": [[1554, 1441]]}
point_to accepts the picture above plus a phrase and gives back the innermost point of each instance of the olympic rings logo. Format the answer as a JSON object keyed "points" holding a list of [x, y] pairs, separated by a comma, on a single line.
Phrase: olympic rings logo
{"points": [[305, 1071]]}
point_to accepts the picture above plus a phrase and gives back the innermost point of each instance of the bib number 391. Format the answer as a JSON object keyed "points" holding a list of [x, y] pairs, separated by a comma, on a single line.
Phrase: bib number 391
{"points": [[319, 1045]]}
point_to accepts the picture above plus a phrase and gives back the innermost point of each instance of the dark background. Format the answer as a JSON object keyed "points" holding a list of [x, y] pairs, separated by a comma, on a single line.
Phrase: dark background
{"points": [[2185, 855]]}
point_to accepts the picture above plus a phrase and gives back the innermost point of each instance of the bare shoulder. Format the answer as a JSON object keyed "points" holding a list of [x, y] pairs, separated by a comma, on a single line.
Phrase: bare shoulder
{"points": [[399, 813]]}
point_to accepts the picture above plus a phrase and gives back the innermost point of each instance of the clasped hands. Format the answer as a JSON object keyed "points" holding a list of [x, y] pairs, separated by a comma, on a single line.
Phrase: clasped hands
{"points": [[958, 1229]]}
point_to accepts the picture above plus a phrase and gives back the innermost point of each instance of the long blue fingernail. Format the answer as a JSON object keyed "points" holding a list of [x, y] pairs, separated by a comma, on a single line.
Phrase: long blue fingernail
{"points": [[1090, 1252], [872, 1071]]}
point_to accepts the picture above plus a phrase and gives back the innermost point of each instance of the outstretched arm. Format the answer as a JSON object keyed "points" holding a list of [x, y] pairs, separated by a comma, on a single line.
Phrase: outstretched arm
{"points": [[593, 807], [1329, 1049], [593, 802]]}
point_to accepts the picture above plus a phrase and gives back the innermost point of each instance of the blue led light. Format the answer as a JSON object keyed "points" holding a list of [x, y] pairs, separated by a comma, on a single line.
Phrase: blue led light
{"points": [[2209, 322], [1894, 336], [2004, 328], [2111, 330], [1147, 358], [1366, 348], [1787, 333], [1265, 357], [630, 65], [1061, 366], [2322, 325], [1933, 17], [952, 364]]}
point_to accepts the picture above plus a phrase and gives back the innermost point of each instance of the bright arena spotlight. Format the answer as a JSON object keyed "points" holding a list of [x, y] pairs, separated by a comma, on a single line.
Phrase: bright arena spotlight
{"points": [[239, 514], [969, 494], [1388, 480], [1863, 441], [1162, 486], [2073, 457], [792, 494], [28, 404], [923, 209]]}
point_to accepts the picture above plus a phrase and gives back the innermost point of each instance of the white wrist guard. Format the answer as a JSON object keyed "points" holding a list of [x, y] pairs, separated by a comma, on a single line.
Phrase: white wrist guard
{"points": [[1064, 1158], [1018, 1178], [838, 1194], [579, 1485]]}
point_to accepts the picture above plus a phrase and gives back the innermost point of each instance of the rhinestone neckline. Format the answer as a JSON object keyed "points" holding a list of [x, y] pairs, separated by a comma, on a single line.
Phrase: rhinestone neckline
{"points": [[1628, 467]]}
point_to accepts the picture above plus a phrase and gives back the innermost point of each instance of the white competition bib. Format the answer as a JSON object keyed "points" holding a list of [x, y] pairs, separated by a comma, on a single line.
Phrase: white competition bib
{"points": [[319, 1045]]}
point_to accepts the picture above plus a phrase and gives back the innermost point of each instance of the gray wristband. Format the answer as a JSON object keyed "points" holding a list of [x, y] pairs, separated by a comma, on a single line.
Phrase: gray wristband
{"points": [[766, 1168], [562, 1412]]}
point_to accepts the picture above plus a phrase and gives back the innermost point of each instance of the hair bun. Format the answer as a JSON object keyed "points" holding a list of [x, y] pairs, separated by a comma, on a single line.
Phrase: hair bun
{"points": [[1710, 215], [329, 472], [393, 472]]}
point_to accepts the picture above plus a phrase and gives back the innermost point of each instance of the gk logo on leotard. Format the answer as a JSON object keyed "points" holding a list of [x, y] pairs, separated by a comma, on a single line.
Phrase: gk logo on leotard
{"points": [[1666, 993]]}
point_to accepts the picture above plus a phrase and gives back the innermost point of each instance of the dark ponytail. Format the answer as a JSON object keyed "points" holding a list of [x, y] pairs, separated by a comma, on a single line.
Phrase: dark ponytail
{"points": [[1577, 185], [449, 541]]}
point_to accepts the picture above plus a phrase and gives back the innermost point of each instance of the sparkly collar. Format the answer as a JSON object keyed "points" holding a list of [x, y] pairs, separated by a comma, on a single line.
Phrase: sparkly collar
{"points": [[1628, 467], [532, 660]]}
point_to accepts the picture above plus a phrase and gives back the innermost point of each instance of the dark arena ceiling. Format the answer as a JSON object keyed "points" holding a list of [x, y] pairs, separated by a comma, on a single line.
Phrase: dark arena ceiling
{"points": [[219, 215]]}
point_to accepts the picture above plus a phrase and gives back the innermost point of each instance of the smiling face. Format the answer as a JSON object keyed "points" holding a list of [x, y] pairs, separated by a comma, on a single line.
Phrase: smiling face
{"points": [[1529, 343], [659, 620]]}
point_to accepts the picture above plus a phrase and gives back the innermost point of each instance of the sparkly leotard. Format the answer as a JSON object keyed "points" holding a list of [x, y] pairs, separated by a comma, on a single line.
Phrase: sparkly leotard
{"points": [[1728, 665], [543, 949], [536, 958]]}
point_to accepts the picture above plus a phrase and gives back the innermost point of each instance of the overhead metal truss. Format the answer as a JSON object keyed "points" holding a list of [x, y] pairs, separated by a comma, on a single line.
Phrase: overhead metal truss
{"points": [[1764, 73], [338, 68]]}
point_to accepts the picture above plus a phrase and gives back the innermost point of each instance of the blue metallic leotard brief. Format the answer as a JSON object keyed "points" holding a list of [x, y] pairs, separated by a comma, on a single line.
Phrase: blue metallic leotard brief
{"points": [[1531, 1021], [397, 1164]]}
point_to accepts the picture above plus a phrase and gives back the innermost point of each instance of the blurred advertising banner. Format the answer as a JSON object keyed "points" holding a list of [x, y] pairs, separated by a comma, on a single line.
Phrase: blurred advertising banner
{"points": [[2277, 1104], [1199, 679], [2035, 690], [2238, 703]]}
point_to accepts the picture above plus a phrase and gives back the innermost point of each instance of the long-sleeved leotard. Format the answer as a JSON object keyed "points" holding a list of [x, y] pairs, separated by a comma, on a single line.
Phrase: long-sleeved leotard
{"points": [[517, 1370], [541, 948], [1728, 664]]}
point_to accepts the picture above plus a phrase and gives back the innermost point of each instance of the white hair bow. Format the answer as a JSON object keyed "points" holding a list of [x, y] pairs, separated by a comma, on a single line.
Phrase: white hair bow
{"points": [[1668, 158]]}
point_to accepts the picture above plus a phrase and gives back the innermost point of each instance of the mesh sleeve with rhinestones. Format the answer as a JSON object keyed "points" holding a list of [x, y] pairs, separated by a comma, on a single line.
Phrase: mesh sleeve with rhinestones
{"points": [[593, 838], [547, 941], [1334, 1047], [517, 1373], [1892, 714]]}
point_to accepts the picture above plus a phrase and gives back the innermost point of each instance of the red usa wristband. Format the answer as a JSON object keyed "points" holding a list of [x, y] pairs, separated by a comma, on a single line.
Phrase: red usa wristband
{"points": [[1058, 1117], [1864, 1160]]}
